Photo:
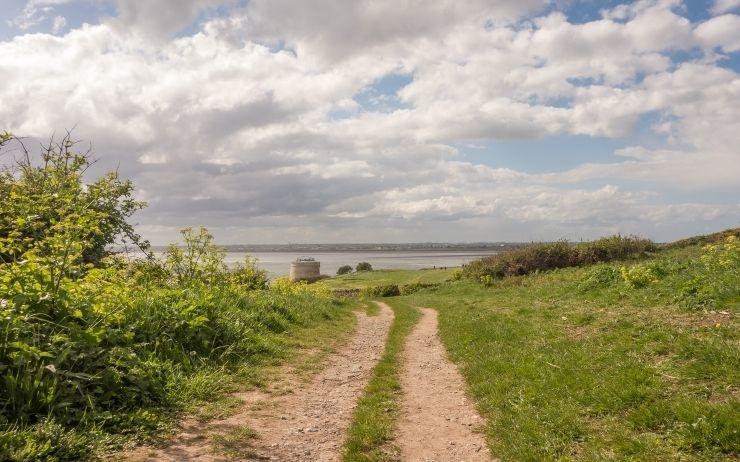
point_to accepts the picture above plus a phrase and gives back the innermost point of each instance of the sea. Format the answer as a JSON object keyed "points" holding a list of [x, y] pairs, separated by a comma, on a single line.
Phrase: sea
{"points": [[278, 263]]}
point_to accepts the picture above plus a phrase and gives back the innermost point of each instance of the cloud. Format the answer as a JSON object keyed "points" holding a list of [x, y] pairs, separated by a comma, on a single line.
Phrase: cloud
{"points": [[720, 31], [160, 18], [724, 6], [335, 30], [237, 126], [58, 24], [36, 12]]}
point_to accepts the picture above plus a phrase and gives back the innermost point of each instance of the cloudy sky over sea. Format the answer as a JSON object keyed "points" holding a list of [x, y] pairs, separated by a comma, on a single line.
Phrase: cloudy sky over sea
{"points": [[392, 120]]}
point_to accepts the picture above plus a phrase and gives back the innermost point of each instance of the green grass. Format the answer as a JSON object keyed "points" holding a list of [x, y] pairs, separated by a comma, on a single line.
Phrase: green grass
{"points": [[575, 365], [384, 277], [205, 393], [371, 432]]}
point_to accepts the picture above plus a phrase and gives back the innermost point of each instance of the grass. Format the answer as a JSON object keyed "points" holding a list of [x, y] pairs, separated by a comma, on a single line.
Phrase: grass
{"points": [[371, 431], [383, 277], [303, 352], [234, 443], [565, 368]]}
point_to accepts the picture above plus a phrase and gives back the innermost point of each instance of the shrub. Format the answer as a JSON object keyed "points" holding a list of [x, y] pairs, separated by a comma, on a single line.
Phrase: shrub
{"points": [[44, 206], [364, 266], [408, 289], [198, 261], [716, 276], [637, 276], [346, 269], [248, 276], [390, 290], [599, 276], [553, 255], [93, 345], [486, 280]]}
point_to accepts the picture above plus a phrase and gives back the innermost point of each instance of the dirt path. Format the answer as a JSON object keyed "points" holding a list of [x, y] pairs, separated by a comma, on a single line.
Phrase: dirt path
{"points": [[308, 423], [438, 421]]}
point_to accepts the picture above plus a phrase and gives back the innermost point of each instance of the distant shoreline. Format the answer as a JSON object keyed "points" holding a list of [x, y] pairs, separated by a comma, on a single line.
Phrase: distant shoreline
{"points": [[367, 247]]}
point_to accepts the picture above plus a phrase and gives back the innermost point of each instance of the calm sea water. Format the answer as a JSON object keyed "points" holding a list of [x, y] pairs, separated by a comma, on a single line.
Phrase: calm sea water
{"points": [[278, 263]]}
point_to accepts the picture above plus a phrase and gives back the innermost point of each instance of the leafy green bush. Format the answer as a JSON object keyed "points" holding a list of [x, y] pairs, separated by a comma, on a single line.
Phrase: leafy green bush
{"points": [[553, 255], [408, 289], [638, 276], [93, 345], [389, 290], [45, 206], [599, 276], [364, 266], [346, 269], [716, 276]]}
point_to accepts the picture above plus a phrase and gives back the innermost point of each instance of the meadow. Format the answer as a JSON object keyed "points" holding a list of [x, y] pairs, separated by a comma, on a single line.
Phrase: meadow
{"points": [[637, 359]]}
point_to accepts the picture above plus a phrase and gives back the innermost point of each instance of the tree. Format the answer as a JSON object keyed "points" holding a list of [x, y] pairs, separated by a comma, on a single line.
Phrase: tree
{"points": [[47, 207], [346, 269], [364, 266]]}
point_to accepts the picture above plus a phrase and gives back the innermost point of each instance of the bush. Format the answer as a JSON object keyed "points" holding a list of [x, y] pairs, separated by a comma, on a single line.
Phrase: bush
{"points": [[408, 289], [45, 206], [248, 276], [637, 276], [599, 276], [553, 255], [390, 290], [715, 277], [364, 266], [93, 345], [346, 269]]}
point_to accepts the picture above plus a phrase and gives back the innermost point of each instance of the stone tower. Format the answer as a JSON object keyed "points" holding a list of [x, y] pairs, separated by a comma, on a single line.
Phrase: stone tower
{"points": [[305, 269]]}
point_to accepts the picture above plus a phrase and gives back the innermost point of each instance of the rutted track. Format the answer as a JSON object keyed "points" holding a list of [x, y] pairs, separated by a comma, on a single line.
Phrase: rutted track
{"points": [[308, 424], [438, 421]]}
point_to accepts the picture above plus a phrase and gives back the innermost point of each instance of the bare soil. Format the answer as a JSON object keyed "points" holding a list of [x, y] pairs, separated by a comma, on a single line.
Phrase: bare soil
{"points": [[438, 421], [307, 422]]}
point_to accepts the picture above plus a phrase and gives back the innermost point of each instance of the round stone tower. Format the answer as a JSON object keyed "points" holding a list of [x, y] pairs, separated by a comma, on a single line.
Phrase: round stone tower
{"points": [[305, 269]]}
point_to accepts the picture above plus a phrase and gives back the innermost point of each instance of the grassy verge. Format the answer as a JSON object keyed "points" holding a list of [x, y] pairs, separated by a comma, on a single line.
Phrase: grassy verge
{"points": [[382, 277], [593, 364], [371, 431], [302, 351]]}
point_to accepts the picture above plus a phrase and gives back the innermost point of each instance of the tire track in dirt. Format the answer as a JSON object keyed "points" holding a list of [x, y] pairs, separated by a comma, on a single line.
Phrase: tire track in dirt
{"points": [[438, 422], [308, 423]]}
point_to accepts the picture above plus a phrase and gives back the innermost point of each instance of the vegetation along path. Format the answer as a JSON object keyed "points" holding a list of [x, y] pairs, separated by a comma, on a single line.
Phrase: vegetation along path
{"points": [[307, 424], [438, 422]]}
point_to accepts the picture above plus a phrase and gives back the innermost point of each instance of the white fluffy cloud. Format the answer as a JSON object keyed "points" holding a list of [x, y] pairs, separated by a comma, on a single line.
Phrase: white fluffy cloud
{"points": [[160, 18], [721, 31], [253, 124], [723, 6]]}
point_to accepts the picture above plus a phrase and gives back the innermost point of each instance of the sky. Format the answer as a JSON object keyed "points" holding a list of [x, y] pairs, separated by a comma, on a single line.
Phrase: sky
{"points": [[276, 121]]}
